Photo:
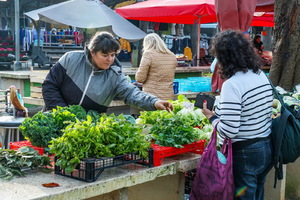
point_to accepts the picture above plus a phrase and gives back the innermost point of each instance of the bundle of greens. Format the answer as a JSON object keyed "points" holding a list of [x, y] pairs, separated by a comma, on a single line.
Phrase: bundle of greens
{"points": [[173, 132], [179, 103], [110, 136], [12, 162], [42, 127], [175, 128], [152, 117]]}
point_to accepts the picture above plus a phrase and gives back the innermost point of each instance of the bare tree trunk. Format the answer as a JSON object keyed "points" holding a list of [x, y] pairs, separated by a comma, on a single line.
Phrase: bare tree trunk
{"points": [[285, 69]]}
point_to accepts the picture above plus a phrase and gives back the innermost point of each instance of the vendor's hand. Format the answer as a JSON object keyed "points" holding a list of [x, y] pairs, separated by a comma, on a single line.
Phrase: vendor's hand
{"points": [[163, 105], [208, 113]]}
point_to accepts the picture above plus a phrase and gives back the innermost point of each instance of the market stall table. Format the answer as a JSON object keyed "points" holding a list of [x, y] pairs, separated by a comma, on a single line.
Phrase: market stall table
{"points": [[130, 181]]}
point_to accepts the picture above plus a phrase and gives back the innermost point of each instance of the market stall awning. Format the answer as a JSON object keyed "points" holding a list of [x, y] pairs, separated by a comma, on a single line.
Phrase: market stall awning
{"points": [[186, 11], [263, 19], [171, 11], [265, 6], [87, 14]]}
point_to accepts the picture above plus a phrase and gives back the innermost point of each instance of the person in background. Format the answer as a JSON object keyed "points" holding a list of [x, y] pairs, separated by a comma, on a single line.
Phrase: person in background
{"points": [[243, 112], [203, 61], [216, 80], [258, 44], [53, 35], [157, 68], [92, 78]]}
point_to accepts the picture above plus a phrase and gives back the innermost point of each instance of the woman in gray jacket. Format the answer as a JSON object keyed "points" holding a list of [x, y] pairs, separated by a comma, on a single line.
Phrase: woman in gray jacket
{"points": [[92, 78]]}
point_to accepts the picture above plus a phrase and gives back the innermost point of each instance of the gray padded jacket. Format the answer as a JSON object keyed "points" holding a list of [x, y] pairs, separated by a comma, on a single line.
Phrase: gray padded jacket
{"points": [[73, 80]]}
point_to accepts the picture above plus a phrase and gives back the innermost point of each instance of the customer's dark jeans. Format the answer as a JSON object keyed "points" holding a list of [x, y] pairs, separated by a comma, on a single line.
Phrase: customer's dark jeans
{"points": [[251, 163]]}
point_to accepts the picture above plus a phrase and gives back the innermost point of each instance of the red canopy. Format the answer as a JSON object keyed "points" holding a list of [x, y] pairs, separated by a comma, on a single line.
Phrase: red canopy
{"points": [[171, 11], [263, 19], [178, 11], [265, 6], [187, 11]]}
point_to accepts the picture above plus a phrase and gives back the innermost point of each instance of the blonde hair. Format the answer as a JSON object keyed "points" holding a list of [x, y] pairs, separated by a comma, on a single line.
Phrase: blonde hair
{"points": [[153, 41]]}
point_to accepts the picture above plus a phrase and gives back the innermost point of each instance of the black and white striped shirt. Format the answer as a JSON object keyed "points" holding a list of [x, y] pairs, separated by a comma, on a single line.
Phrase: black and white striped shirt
{"points": [[245, 107]]}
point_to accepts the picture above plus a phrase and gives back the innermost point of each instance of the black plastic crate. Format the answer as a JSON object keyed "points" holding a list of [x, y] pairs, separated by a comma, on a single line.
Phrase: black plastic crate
{"points": [[189, 179], [90, 169]]}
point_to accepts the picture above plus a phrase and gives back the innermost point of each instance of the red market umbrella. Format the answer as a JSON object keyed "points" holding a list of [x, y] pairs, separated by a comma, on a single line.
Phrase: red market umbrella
{"points": [[263, 19], [265, 6], [235, 14], [178, 11], [239, 15], [267, 18], [172, 11]]}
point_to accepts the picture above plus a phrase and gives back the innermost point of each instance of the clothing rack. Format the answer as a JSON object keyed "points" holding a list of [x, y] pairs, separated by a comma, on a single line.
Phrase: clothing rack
{"points": [[177, 43]]}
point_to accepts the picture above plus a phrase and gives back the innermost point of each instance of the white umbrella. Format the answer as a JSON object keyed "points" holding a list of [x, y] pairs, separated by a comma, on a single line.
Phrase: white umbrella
{"points": [[87, 14]]}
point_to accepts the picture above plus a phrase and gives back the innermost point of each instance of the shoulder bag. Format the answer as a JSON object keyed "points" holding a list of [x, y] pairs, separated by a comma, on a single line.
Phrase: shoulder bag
{"points": [[214, 177]]}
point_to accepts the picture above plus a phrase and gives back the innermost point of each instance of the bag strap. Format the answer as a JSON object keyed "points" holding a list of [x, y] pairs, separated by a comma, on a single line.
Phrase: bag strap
{"points": [[213, 138], [277, 156], [276, 92], [227, 147]]}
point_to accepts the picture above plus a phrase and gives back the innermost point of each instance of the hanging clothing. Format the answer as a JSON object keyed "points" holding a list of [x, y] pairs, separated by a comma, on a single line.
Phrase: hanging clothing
{"points": [[156, 26], [125, 45], [188, 53]]}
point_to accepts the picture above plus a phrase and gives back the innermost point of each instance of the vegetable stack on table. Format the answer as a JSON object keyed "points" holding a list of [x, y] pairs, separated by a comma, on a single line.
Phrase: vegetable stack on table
{"points": [[86, 143]]}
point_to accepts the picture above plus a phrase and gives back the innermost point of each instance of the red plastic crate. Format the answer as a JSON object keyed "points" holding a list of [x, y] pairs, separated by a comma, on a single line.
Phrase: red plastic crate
{"points": [[17, 145], [159, 152]]}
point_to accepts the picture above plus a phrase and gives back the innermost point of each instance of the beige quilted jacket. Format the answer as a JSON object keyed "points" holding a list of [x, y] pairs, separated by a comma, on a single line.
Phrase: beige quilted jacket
{"points": [[157, 72]]}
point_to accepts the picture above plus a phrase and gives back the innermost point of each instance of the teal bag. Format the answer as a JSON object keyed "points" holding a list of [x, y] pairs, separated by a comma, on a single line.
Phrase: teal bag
{"points": [[285, 136]]}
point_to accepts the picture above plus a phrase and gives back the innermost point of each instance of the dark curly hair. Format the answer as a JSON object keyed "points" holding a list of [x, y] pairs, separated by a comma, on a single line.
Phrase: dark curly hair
{"points": [[234, 53]]}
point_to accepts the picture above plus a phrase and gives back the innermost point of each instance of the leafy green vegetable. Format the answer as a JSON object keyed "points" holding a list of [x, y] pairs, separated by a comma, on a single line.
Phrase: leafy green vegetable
{"points": [[42, 127], [129, 118], [12, 161], [205, 133], [178, 104], [195, 117], [110, 136], [175, 128], [173, 132], [151, 117]]}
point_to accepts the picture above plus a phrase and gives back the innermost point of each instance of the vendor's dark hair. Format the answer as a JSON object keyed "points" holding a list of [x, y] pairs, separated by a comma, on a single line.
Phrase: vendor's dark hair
{"points": [[257, 36], [234, 53], [104, 42]]}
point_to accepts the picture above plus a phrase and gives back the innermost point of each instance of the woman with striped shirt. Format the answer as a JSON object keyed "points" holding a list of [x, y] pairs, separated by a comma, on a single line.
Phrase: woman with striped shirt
{"points": [[244, 112]]}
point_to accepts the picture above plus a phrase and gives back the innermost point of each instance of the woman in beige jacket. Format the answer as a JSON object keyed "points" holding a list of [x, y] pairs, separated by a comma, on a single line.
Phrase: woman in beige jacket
{"points": [[157, 68]]}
